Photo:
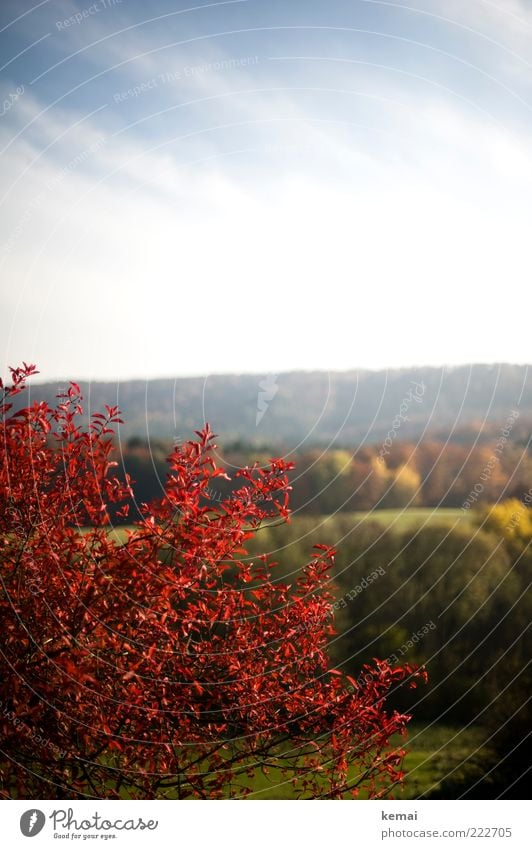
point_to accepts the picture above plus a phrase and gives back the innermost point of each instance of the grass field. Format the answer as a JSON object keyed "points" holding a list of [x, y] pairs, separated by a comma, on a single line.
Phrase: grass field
{"points": [[435, 753], [400, 520], [412, 517]]}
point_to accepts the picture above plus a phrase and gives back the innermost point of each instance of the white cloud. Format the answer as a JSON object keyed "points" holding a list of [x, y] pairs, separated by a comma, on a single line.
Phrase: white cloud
{"points": [[341, 246]]}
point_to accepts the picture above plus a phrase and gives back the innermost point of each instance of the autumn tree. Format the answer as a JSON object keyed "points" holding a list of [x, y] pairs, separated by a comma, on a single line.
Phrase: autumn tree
{"points": [[166, 663]]}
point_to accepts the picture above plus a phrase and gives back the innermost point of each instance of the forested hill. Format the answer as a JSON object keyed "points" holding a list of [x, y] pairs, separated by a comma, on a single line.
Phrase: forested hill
{"points": [[320, 408]]}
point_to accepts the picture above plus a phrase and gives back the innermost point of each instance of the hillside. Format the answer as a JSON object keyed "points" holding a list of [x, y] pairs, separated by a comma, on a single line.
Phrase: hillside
{"points": [[321, 408]]}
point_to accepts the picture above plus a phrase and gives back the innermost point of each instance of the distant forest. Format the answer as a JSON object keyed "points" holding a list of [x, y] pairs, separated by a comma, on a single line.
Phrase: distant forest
{"points": [[327, 409], [424, 437], [426, 474]]}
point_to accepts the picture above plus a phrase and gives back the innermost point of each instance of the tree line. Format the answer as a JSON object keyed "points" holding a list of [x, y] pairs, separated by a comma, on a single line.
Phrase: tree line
{"points": [[431, 473]]}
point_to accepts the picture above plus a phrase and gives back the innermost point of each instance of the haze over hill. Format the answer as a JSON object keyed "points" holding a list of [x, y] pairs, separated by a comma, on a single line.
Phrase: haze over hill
{"points": [[321, 408]]}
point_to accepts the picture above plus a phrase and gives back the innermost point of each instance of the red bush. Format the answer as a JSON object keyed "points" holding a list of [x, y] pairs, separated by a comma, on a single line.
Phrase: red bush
{"points": [[168, 664]]}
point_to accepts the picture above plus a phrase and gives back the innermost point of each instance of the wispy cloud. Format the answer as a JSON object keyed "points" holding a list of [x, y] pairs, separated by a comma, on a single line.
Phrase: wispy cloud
{"points": [[314, 197]]}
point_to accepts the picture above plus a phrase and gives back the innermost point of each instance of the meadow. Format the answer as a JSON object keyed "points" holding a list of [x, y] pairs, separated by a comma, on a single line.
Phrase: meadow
{"points": [[448, 567], [436, 754]]}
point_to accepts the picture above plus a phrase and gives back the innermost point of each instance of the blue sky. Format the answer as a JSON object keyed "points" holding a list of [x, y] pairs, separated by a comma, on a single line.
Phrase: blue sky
{"points": [[263, 186]]}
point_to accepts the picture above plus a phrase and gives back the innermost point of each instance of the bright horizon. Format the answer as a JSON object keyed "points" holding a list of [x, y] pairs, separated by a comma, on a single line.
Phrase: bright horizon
{"points": [[262, 188], [42, 378]]}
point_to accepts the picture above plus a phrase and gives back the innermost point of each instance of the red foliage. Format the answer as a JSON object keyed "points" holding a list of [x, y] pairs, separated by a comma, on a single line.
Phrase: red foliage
{"points": [[168, 664]]}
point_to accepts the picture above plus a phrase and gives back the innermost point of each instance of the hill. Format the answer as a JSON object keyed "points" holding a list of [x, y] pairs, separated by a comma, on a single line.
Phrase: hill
{"points": [[322, 408]]}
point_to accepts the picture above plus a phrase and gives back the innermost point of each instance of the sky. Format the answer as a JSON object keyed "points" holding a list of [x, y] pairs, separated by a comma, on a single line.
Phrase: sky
{"points": [[264, 185]]}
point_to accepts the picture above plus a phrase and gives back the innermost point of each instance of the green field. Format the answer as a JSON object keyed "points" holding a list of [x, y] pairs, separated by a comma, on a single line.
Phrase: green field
{"points": [[399, 520], [435, 753], [413, 517]]}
